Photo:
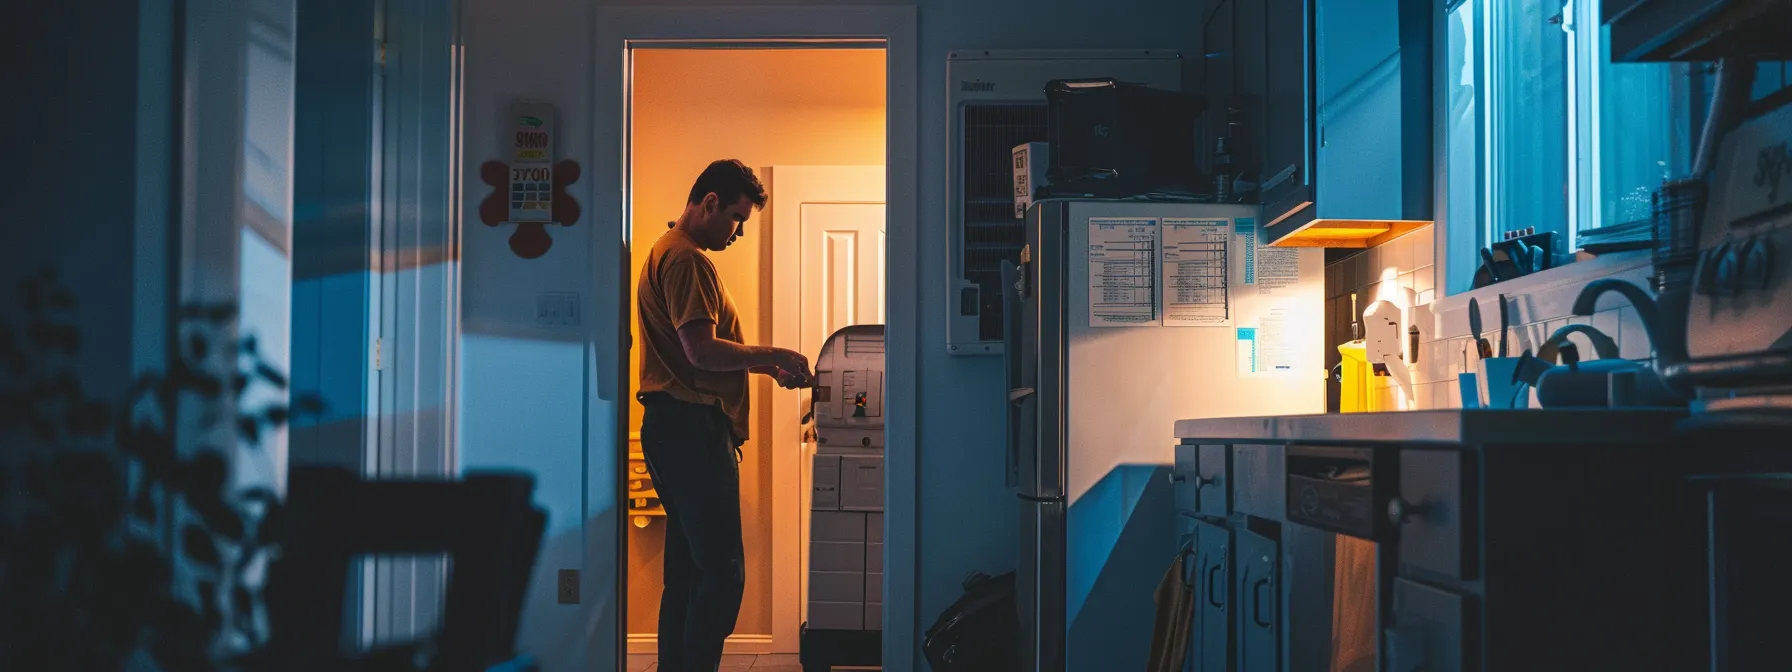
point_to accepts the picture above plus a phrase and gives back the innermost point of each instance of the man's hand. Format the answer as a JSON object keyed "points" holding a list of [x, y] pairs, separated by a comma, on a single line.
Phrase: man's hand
{"points": [[794, 381], [790, 361]]}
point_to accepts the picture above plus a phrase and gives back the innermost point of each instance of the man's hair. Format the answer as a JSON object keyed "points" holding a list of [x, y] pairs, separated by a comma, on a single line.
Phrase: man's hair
{"points": [[728, 179]]}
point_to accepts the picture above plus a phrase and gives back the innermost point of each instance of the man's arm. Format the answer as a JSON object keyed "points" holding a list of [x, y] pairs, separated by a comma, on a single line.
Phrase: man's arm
{"points": [[705, 351]]}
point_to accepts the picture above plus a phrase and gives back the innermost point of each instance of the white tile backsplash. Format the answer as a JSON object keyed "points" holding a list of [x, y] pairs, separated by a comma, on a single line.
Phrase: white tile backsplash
{"points": [[1536, 309], [1424, 279], [1398, 255], [1424, 250], [1607, 322], [1633, 342]]}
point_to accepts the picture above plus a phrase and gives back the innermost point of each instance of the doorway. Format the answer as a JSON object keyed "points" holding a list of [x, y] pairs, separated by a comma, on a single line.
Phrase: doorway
{"points": [[811, 119]]}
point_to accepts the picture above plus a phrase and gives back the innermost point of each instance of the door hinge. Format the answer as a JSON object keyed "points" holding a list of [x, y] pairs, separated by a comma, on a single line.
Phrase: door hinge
{"points": [[378, 347], [382, 53]]}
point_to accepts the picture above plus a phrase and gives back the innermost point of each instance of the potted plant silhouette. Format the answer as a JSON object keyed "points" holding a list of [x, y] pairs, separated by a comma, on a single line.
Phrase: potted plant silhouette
{"points": [[123, 545]]}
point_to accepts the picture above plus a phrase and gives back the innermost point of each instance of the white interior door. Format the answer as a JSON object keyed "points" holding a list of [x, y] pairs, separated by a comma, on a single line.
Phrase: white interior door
{"points": [[843, 269], [828, 228]]}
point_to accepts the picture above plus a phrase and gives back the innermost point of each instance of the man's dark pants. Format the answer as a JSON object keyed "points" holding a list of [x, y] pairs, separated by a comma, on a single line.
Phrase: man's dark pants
{"points": [[691, 456]]}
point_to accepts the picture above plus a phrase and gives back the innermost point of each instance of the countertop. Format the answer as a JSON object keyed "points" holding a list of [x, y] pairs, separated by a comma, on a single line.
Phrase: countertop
{"points": [[1461, 426]]}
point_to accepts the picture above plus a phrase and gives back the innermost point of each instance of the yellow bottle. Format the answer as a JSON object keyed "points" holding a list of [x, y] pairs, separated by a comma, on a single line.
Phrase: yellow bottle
{"points": [[1356, 374]]}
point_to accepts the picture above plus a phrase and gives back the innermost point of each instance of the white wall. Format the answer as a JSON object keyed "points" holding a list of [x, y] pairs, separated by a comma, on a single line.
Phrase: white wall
{"points": [[525, 390]]}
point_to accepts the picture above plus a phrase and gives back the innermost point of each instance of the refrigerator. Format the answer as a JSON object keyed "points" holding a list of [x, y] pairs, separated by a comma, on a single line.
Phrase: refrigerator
{"points": [[1123, 317]]}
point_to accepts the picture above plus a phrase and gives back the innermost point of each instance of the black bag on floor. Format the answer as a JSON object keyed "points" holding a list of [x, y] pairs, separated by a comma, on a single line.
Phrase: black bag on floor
{"points": [[979, 631]]}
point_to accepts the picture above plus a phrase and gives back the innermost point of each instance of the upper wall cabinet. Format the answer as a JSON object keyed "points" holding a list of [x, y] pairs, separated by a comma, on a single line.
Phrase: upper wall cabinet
{"points": [[1697, 30], [1346, 158]]}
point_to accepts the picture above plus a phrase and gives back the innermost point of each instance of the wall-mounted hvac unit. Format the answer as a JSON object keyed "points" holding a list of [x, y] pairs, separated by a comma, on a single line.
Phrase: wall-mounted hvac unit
{"points": [[995, 101]]}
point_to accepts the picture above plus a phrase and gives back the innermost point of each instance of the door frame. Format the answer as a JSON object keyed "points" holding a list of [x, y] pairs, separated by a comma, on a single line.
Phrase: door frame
{"points": [[618, 30], [789, 561]]}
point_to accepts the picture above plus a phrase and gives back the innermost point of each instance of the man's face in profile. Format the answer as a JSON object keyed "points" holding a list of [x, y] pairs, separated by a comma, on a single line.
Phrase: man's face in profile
{"points": [[721, 226]]}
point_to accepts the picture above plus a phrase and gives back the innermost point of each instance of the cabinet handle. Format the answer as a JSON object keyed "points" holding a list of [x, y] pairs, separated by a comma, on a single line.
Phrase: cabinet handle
{"points": [[1257, 603], [1400, 512], [1204, 481], [1188, 573], [1176, 477], [1212, 595]]}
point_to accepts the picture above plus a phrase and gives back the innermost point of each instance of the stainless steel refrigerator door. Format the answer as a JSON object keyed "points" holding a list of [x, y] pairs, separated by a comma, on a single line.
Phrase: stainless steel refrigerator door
{"points": [[1039, 583], [1044, 339]]}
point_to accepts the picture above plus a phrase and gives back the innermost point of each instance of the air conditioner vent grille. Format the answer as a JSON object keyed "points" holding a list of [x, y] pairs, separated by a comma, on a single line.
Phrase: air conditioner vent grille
{"points": [[991, 231]]}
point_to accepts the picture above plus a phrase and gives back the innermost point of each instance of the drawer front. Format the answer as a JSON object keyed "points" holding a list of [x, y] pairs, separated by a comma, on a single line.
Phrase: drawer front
{"points": [[1214, 480], [1211, 648], [1428, 633], [1184, 475], [1255, 593], [1259, 481], [1435, 523]]}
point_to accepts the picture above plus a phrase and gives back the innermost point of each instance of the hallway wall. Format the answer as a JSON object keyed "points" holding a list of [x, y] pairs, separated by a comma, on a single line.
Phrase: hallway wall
{"points": [[782, 107]]}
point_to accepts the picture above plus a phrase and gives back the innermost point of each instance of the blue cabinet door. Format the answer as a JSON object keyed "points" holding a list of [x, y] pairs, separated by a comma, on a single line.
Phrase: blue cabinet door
{"points": [[1191, 572], [1211, 648], [1255, 593]]}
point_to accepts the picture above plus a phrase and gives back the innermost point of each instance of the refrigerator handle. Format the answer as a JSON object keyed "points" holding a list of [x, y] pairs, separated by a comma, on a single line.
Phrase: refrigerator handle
{"points": [[1016, 399]]}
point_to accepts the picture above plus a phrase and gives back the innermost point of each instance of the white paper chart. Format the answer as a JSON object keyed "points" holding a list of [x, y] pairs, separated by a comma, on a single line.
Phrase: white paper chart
{"points": [[1196, 292], [1122, 272]]}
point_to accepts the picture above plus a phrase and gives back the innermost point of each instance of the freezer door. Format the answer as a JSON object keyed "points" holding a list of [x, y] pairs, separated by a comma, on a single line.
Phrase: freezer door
{"points": [[1040, 584]]}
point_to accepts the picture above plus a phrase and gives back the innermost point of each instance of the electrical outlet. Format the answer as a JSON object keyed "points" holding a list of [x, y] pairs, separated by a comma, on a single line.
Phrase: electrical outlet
{"points": [[557, 309], [569, 586]]}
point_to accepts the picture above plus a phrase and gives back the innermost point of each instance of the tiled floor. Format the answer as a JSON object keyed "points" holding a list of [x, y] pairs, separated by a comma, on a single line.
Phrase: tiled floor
{"points": [[776, 662]]}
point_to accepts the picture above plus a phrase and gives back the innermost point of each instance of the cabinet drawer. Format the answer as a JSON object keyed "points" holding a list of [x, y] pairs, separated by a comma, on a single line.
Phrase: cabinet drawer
{"points": [[1434, 513], [1255, 594], [1259, 481], [1210, 647], [1213, 482], [1183, 476], [1428, 633]]}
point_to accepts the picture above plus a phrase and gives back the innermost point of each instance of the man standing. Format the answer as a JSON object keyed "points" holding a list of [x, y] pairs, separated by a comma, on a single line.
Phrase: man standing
{"points": [[694, 370]]}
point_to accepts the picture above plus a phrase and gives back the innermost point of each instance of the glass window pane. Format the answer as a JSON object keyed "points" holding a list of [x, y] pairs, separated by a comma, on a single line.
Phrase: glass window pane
{"points": [[1530, 132], [1640, 131], [1462, 217]]}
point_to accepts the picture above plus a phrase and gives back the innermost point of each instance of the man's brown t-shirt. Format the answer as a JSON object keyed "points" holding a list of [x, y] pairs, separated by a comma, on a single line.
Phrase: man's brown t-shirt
{"points": [[679, 286]]}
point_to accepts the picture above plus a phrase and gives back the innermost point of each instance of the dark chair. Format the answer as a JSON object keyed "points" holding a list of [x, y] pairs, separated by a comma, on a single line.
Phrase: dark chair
{"points": [[486, 523]]}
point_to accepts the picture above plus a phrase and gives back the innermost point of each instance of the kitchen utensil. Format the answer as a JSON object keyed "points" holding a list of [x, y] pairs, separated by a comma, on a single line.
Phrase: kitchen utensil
{"points": [[1504, 324], [1604, 382], [1493, 274], [1482, 349], [1497, 376], [1529, 369], [1466, 388]]}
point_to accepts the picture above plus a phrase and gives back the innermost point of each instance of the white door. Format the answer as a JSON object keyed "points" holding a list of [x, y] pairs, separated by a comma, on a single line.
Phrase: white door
{"points": [[828, 228], [843, 269]]}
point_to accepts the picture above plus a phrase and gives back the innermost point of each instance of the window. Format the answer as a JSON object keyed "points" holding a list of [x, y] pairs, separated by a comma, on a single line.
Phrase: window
{"points": [[1544, 132]]}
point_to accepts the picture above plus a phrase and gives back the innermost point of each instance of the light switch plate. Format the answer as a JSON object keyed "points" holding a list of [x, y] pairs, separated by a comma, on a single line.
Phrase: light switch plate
{"points": [[569, 586], [557, 309]]}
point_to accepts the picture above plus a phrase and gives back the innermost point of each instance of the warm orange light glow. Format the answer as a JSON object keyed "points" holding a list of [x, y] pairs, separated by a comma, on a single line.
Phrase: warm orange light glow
{"points": [[765, 107], [1352, 233]]}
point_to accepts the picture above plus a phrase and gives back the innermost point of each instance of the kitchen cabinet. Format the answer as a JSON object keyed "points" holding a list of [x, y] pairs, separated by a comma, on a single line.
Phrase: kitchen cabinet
{"points": [[1695, 30], [1217, 70], [1287, 177], [1515, 540], [1257, 592], [1210, 647], [1428, 633], [1347, 153]]}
